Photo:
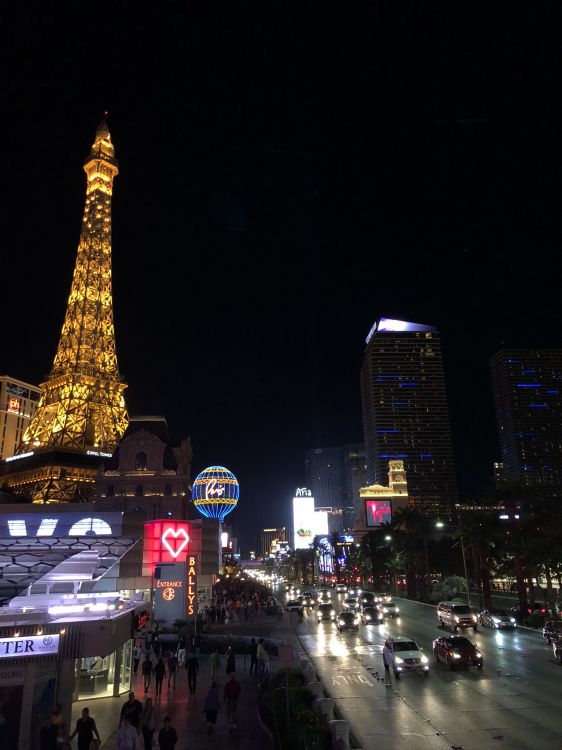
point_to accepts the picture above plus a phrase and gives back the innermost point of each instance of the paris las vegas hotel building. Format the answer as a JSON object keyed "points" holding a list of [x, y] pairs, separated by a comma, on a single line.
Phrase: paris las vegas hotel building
{"points": [[91, 502]]}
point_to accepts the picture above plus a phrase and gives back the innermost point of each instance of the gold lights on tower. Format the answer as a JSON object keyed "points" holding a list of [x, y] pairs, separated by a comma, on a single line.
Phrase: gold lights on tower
{"points": [[82, 406]]}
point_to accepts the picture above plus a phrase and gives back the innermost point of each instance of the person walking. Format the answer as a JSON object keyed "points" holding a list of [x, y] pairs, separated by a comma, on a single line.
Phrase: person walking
{"points": [[232, 691], [137, 653], [48, 735], [211, 707], [262, 657], [192, 666], [147, 723], [167, 736], [147, 670], [230, 661], [85, 729], [253, 656], [127, 736], [132, 711], [172, 669], [215, 662], [181, 652], [159, 676]]}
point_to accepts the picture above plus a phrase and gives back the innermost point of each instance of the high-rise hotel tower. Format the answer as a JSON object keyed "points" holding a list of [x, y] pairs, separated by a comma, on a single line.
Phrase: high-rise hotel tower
{"points": [[81, 413], [527, 385], [405, 412]]}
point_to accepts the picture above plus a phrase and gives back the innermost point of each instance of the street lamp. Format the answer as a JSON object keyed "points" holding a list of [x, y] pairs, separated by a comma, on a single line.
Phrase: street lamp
{"points": [[441, 525]]}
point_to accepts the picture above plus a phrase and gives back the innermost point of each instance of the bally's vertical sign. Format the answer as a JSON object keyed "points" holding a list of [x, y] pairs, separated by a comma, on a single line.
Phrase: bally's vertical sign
{"points": [[191, 598]]}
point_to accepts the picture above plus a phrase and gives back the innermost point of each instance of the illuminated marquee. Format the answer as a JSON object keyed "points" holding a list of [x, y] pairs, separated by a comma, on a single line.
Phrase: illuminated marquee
{"points": [[191, 586], [165, 541]]}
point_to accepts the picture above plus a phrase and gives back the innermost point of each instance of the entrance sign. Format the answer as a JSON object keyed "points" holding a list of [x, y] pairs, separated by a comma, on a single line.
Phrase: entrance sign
{"points": [[169, 592], [31, 645]]}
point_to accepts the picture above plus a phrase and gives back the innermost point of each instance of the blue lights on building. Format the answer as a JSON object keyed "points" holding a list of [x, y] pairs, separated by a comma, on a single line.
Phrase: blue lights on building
{"points": [[538, 406], [393, 455], [528, 385], [215, 492], [426, 455], [409, 385], [388, 431]]}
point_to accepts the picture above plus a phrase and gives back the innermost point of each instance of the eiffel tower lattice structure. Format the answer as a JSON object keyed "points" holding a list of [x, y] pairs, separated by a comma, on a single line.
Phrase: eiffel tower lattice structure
{"points": [[82, 408]]}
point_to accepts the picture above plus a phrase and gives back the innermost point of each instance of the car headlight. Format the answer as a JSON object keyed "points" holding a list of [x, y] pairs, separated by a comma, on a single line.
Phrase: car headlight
{"points": [[424, 659], [457, 618], [396, 610], [356, 619], [341, 622], [367, 617], [478, 655], [474, 618], [457, 656], [385, 610], [512, 619], [332, 612], [399, 660]]}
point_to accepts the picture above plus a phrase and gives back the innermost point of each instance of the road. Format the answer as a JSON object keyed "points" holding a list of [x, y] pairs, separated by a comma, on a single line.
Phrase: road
{"points": [[514, 702]]}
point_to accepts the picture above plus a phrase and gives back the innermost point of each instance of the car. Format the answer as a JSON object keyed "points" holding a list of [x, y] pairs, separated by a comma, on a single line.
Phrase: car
{"points": [[307, 599], [326, 611], [324, 594], [522, 614], [404, 655], [552, 630], [499, 622], [354, 591], [371, 615], [367, 599], [293, 605], [457, 651], [347, 621], [341, 588], [455, 615], [350, 603], [380, 597], [388, 609]]}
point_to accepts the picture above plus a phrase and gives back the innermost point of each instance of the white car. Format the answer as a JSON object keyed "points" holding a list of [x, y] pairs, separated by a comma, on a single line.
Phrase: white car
{"points": [[293, 605], [341, 588], [404, 655], [351, 603], [389, 609]]}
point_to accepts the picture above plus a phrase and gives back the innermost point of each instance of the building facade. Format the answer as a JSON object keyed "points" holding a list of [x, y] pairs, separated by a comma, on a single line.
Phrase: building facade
{"points": [[379, 503], [269, 536], [18, 404], [81, 413], [335, 476], [527, 388], [146, 472], [405, 411]]}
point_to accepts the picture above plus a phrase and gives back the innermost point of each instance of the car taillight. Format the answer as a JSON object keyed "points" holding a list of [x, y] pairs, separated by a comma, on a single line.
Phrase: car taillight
{"points": [[529, 610], [543, 611]]}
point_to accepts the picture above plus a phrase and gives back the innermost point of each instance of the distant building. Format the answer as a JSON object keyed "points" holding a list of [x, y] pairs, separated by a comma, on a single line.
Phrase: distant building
{"points": [[380, 502], [146, 472], [18, 403], [527, 386], [499, 473], [405, 412], [354, 477], [269, 539], [335, 476]]}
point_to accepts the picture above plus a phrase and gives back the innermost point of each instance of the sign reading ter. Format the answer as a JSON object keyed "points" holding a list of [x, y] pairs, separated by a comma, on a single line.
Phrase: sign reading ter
{"points": [[31, 645]]}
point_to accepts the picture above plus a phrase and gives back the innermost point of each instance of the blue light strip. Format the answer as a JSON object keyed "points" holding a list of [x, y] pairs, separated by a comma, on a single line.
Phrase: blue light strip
{"points": [[528, 385]]}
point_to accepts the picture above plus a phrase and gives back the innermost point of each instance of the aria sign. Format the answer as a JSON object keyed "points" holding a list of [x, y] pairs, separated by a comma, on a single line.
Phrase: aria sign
{"points": [[31, 645]]}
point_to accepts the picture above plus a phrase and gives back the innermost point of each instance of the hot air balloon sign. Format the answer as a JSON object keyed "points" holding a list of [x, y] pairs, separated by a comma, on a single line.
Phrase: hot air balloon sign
{"points": [[215, 492]]}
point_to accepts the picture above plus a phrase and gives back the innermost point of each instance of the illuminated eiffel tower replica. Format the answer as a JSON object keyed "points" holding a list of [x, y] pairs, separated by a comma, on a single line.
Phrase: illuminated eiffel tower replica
{"points": [[81, 414]]}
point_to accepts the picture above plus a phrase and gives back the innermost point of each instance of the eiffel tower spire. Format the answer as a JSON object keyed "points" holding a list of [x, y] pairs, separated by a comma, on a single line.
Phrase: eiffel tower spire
{"points": [[82, 406]]}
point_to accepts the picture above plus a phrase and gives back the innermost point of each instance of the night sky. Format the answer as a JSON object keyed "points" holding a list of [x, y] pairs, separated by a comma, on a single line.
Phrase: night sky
{"points": [[289, 172]]}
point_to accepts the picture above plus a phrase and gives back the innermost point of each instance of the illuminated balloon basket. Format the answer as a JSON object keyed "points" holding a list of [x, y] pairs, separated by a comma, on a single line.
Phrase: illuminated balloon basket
{"points": [[215, 492]]}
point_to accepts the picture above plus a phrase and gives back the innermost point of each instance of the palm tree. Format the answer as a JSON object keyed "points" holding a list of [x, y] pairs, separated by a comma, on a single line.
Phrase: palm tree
{"points": [[333, 540], [396, 566], [415, 528], [375, 551], [481, 532]]}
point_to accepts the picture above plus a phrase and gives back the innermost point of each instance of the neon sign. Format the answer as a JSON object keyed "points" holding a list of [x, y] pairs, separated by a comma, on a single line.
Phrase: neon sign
{"points": [[215, 492], [63, 525], [21, 455], [14, 405], [378, 512], [191, 586], [165, 541], [303, 492]]}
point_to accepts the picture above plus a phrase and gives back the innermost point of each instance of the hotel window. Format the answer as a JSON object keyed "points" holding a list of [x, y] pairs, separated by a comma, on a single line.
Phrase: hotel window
{"points": [[140, 461], [139, 490], [168, 489], [110, 490]]}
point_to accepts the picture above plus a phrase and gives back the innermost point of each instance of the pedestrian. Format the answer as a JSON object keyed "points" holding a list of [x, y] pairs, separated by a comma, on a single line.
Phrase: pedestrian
{"points": [[230, 660], [85, 729], [127, 736], [215, 662], [232, 691], [147, 723], [192, 666], [172, 669], [136, 658], [48, 735], [253, 656], [181, 652], [167, 736], [211, 707], [131, 711], [262, 657], [159, 675], [147, 670], [63, 742]]}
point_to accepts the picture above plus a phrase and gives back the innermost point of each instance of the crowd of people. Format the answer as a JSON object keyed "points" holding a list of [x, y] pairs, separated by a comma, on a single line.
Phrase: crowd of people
{"points": [[240, 602]]}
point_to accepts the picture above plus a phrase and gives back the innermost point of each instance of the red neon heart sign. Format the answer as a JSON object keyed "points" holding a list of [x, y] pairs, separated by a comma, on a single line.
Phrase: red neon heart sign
{"points": [[175, 533]]}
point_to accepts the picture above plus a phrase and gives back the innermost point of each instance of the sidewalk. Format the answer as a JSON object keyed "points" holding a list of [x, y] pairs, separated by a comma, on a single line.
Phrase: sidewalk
{"points": [[185, 712]]}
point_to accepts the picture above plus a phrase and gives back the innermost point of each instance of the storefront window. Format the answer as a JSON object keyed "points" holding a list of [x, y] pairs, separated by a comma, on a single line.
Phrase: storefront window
{"points": [[95, 676], [125, 672]]}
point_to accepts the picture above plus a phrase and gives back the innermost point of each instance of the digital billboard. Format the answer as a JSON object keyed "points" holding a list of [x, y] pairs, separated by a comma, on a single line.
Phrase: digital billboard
{"points": [[165, 541], [378, 512], [307, 523]]}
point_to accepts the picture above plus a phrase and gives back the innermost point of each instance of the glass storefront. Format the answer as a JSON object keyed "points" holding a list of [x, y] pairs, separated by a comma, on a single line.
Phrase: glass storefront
{"points": [[104, 676]]}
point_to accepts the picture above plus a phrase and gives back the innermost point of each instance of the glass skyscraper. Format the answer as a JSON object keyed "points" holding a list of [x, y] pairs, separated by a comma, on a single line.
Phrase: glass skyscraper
{"points": [[405, 412], [527, 385]]}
